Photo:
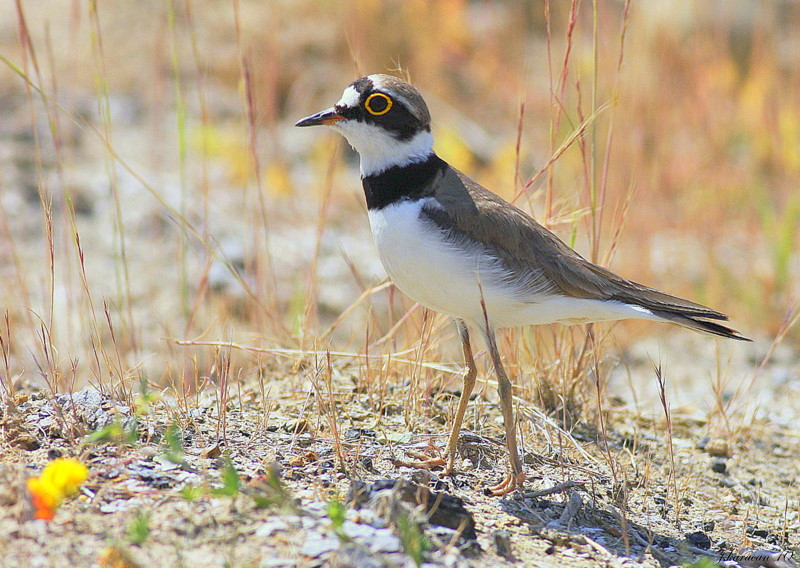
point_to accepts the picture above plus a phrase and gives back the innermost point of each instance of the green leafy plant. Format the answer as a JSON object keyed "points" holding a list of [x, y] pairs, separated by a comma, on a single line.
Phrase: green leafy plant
{"points": [[337, 513], [139, 528], [268, 492], [173, 442], [231, 482], [191, 492], [412, 539], [117, 432]]}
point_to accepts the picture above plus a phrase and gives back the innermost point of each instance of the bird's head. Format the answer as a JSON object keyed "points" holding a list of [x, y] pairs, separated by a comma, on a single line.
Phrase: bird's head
{"points": [[384, 118]]}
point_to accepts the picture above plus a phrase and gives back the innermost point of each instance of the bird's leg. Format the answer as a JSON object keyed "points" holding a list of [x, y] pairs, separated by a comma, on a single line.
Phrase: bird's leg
{"points": [[515, 477], [470, 373]]}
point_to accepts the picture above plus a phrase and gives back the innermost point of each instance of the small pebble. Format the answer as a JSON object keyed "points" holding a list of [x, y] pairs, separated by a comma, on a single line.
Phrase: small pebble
{"points": [[760, 533], [358, 433], [699, 539], [719, 466], [358, 530], [351, 555], [385, 541], [316, 545], [272, 526], [502, 544], [719, 448], [421, 476]]}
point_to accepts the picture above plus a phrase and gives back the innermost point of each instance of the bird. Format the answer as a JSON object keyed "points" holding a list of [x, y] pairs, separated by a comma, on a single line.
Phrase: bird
{"points": [[457, 248]]}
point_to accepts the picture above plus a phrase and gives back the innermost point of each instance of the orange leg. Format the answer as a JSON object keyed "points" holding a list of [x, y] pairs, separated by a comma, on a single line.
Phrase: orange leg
{"points": [[515, 477], [471, 372]]}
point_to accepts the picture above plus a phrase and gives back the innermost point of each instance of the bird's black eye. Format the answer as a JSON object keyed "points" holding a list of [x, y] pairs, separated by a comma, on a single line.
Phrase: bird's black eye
{"points": [[378, 104]]}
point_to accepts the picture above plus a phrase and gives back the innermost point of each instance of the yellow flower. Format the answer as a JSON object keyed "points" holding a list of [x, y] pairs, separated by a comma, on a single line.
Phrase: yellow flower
{"points": [[59, 479]]}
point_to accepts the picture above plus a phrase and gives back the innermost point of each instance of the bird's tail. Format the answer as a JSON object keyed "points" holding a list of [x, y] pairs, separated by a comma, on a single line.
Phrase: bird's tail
{"points": [[699, 323]]}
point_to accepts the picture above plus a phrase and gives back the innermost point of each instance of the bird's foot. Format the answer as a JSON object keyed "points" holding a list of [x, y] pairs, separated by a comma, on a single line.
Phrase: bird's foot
{"points": [[511, 483], [431, 459], [423, 461]]}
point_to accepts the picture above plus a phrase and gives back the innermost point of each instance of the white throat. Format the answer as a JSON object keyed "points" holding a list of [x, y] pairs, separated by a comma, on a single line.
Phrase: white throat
{"points": [[379, 150]]}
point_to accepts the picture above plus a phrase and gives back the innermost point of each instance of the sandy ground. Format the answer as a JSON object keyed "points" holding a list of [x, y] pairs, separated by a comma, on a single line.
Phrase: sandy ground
{"points": [[736, 492]]}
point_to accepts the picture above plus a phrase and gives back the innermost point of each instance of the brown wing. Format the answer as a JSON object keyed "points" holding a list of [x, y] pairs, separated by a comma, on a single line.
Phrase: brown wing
{"points": [[477, 213]]}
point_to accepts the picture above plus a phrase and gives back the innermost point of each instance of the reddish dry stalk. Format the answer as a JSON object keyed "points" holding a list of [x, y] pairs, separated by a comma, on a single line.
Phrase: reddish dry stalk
{"points": [[124, 286], [98, 347], [518, 144], [265, 274], [416, 370], [45, 198], [310, 315], [222, 366], [556, 101], [662, 395], [264, 269], [6, 381], [333, 415], [610, 139], [599, 399]]}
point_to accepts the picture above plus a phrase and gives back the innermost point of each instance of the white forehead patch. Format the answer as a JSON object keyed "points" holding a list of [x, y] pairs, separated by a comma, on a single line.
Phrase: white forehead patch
{"points": [[377, 80], [350, 98]]}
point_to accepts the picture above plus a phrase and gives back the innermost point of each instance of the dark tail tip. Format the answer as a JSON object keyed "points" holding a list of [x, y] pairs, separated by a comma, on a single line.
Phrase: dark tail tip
{"points": [[720, 330], [702, 325]]}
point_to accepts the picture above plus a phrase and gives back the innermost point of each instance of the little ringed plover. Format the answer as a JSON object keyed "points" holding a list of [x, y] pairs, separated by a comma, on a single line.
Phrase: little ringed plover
{"points": [[455, 247]]}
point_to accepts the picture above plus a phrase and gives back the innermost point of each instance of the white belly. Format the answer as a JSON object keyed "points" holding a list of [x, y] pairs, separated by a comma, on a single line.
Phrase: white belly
{"points": [[445, 277]]}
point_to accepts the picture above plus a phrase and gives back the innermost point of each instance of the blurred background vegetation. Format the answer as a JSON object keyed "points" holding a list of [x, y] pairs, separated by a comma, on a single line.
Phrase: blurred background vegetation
{"points": [[152, 185]]}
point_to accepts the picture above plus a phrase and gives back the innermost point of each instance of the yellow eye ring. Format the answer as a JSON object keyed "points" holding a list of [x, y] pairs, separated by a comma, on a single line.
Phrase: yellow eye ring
{"points": [[373, 96]]}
